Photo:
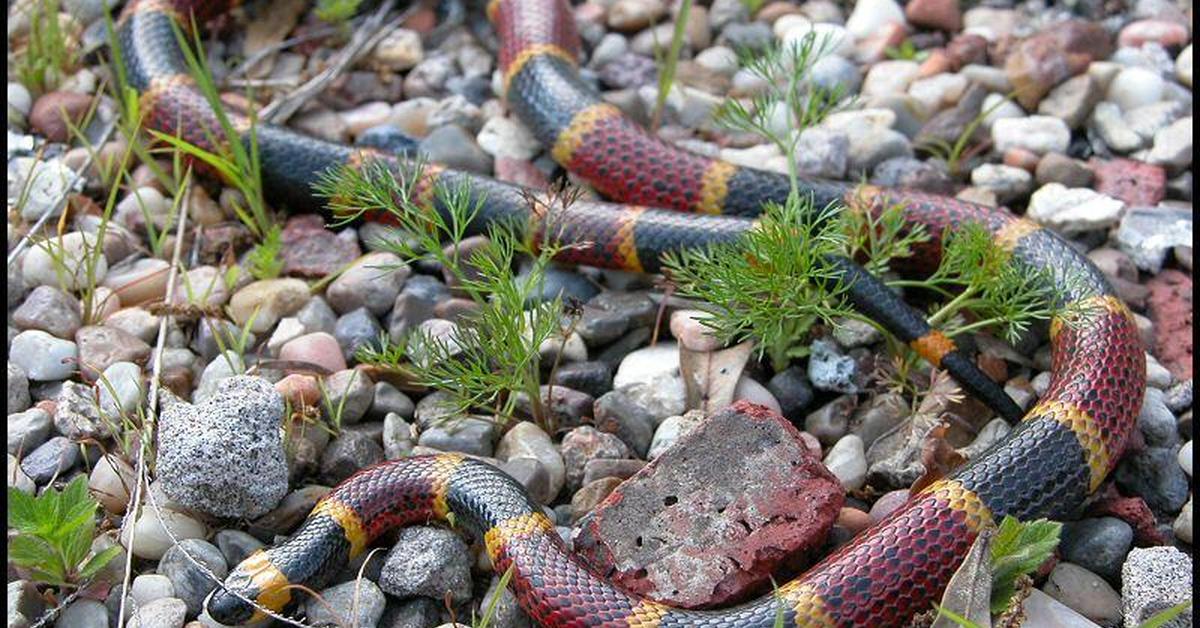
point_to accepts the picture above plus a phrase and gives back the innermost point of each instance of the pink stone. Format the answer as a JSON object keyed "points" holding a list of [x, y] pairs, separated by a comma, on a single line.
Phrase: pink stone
{"points": [[888, 503], [1053, 55], [317, 348], [688, 329], [1134, 182], [937, 14], [746, 477], [1170, 306], [1167, 34], [520, 172]]}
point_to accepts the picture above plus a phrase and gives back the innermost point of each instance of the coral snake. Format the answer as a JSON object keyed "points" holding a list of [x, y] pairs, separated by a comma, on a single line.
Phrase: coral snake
{"points": [[1059, 452]]}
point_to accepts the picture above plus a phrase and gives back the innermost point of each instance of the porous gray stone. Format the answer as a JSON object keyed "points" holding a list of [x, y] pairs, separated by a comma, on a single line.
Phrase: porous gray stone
{"points": [[224, 456], [1155, 579], [429, 562]]}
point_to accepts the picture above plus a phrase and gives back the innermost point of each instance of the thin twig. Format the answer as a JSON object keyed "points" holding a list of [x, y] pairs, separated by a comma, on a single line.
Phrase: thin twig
{"points": [[373, 30], [87, 163]]}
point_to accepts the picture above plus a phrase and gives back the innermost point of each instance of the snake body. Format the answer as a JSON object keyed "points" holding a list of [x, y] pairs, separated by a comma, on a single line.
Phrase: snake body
{"points": [[1059, 452]]}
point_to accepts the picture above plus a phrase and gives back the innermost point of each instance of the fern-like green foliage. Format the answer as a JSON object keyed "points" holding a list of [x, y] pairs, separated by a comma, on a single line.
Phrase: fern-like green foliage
{"points": [[264, 261], [1019, 549], [54, 534]]}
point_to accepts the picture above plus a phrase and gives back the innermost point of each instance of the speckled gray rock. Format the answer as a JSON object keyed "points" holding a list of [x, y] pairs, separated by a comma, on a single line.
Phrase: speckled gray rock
{"points": [[224, 456], [191, 584], [342, 608], [429, 562], [1098, 545], [77, 413], [18, 389], [56, 456], [27, 430], [829, 370], [1155, 579], [167, 612]]}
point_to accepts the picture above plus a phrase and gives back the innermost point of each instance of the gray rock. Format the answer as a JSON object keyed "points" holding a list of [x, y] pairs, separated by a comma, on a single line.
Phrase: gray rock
{"points": [[829, 370], [77, 413], [54, 457], [408, 312], [167, 612], [506, 613], [848, 462], [316, 315], [791, 389], [1084, 592], [1072, 100], [388, 399], [616, 413], [1073, 210], [27, 430], [1098, 545], [531, 474], [50, 310], [1147, 234], [358, 604], [870, 145], [149, 587], [1156, 422], [1154, 474], [349, 395], [214, 333], [429, 562], [586, 443], [83, 613], [1006, 182], [822, 153], [18, 388], [1038, 134], [1110, 125], [357, 329], [671, 430], [752, 36], [1173, 145], [398, 438], [221, 368], [373, 282], [236, 545], [1179, 397], [120, 389], [191, 583], [830, 422], [100, 347], [224, 456], [25, 605], [559, 282], [346, 454], [419, 612], [43, 357], [455, 147], [1155, 579], [909, 172], [832, 71], [468, 435], [593, 377]]}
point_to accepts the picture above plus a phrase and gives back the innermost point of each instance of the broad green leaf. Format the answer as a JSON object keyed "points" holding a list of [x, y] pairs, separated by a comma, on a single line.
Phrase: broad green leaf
{"points": [[29, 551], [1017, 550], [22, 511], [97, 562]]}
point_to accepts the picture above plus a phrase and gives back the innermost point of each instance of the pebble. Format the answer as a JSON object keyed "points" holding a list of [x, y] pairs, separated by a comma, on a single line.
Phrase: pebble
{"points": [[53, 458], [262, 303], [887, 504], [1134, 87], [190, 581], [652, 375], [1072, 100], [527, 440], [822, 153], [167, 612], [349, 392], [356, 603], [53, 111], [27, 429], [17, 478], [688, 328], [148, 537], [1155, 579], [236, 545], [373, 282], [18, 383], [1058, 168], [790, 387], [318, 348], [357, 329], [869, 16], [43, 357], [829, 369], [848, 461], [1037, 134], [399, 50], [349, 452], [996, 107], [83, 613], [1098, 545], [1006, 182], [467, 435], [508, 137], [455, 147], [429, 562], [1173, 145], [138, 281], [1155, 475], [1084, 592], [149, 587], [1185, 458], [50, 310], [1112, 128], [671, 430], [100, 347], [1073, 210], [1147, 234], [1183, 66], [223, 456], [1182, 527], [110, 483], [939, 91], [75, 254], [1039, 609]]}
